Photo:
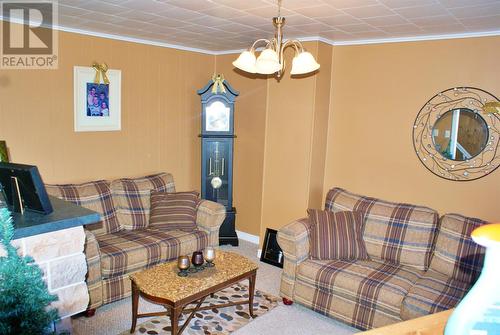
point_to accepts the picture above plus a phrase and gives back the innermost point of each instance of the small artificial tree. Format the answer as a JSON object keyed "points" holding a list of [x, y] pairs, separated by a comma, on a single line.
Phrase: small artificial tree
{"points": [[24, 298]]}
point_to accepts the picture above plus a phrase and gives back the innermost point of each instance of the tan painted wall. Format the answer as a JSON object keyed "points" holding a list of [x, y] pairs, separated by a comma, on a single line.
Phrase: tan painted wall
{"points": [[287, 149], [296, 107], [250, 129], [320, 124], [160, 113], [377, 92]]}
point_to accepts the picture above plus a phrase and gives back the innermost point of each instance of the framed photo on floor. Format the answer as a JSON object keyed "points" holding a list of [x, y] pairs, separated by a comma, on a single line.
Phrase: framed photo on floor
{"points": [[4, 154], [271, 251], [97, 105]]}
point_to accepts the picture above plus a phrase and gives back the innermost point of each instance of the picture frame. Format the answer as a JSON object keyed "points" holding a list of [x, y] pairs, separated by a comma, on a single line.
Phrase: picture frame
{"points": [[24, 188], [271, 251], [4, 153], [97, 106]]}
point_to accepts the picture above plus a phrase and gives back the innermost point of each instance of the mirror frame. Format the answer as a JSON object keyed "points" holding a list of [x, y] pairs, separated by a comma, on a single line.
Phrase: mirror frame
{"points": [[477, 167]]}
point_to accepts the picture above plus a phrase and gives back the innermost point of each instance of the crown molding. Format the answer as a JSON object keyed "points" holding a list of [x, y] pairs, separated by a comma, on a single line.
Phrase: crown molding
{"points": [[382, 40], [121, 38], [302, 39], [230, 52], [415, 38], [135, 40]]}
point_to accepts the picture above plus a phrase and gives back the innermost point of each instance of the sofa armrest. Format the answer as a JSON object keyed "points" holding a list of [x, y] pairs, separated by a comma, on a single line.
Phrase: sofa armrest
{"points": [[209, 218], [94, 275], [294, 241]]}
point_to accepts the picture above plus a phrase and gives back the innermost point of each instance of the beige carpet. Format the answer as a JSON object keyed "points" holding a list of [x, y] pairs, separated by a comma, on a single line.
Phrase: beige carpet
{"points": [[115, 318]]}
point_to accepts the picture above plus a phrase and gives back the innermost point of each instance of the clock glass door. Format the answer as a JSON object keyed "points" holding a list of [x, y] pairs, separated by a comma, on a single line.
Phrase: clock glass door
{"points": [[217, 170]]}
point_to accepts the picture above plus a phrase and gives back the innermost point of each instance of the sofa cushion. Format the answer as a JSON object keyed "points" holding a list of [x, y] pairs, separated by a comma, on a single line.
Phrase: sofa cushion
{"points": [[174, 211], [395, 232], [132, 198], [367, 292], [94, 195], [456, 255], [129, 251], [337, 235], [432, 293]]}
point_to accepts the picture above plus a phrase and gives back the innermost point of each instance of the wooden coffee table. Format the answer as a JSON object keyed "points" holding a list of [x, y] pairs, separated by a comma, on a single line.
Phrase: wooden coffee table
{"points": [[162, 285]]}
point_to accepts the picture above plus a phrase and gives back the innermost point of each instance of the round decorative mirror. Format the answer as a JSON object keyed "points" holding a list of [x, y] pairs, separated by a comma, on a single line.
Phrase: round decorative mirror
{"points": [[460, 134], [456, 137]]}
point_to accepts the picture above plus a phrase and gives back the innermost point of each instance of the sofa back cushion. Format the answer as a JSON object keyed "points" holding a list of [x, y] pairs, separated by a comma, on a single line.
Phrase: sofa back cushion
{"points": [[174, 211], [456, 255], [337, 235], [394, 232], [132, 198], [94, 195]]}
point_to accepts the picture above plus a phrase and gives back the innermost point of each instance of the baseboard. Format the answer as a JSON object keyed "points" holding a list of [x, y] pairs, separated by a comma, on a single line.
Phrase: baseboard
{"points": [[248, 237]]}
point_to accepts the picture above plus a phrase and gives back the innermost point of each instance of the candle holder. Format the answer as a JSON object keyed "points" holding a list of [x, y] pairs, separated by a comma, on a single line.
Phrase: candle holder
{"points": [[197, 261], [183, 265], [209, 257]]}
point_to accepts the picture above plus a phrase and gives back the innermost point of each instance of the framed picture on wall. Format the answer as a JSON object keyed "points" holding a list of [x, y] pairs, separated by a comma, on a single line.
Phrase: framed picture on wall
{"points": [[97, 106]]}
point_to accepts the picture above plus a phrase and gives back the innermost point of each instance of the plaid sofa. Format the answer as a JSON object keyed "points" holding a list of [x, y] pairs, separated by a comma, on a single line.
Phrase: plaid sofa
{"points": [[122, 243], [419, 264]]}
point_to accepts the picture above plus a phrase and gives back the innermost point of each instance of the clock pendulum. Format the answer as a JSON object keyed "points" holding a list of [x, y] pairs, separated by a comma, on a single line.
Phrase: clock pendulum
{"points": [[217, 143], [217, 172]]}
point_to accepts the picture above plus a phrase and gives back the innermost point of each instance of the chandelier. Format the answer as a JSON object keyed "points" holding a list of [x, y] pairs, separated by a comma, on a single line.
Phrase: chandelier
{"points": [[271, 59]]}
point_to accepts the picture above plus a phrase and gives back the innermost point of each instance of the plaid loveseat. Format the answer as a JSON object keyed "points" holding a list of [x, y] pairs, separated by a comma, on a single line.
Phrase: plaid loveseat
{"points": [[122, 242], [419, 264]]}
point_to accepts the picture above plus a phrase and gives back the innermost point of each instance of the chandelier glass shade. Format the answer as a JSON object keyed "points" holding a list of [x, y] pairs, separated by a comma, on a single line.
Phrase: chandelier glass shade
{"points": [[246, 62], [271, 59]]}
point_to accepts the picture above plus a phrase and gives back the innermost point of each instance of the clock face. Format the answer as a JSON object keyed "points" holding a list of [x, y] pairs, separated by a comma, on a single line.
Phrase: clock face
{"points": [[217, 117]]}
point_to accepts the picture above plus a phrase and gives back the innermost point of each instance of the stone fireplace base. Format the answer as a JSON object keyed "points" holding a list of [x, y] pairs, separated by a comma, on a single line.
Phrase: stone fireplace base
{"points": [[60, 256]]}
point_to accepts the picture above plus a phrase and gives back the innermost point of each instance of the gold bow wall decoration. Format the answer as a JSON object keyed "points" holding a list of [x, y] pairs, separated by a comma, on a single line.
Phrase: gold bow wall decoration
{"points": [[218, 80], [100, 69], [492, 107]]}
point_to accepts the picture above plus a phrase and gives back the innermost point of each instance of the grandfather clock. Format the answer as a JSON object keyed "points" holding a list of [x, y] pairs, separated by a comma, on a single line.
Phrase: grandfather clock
{"points": [[217, 138]]}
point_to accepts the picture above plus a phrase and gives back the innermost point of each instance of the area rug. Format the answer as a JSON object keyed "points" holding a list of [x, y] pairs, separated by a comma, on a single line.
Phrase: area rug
{"points": [[214, 321]]}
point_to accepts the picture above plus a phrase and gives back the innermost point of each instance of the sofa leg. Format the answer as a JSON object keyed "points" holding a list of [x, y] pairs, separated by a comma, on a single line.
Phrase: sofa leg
{"points": [[287, 302], [89, 312]]}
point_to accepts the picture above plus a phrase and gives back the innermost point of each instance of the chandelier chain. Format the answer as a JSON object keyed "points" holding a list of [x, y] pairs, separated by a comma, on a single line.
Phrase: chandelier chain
{"points": [[279, 7]]}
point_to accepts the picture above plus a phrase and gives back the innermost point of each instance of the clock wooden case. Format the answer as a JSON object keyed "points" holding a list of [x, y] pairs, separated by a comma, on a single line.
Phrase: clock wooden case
{"points": [[217, 144]]}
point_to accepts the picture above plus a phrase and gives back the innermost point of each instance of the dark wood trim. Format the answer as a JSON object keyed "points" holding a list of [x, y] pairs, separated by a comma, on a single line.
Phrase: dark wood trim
{"points": [[190, 316], [251, 292], [189, 310], [233, 240], [227, 231], [135, 306]]}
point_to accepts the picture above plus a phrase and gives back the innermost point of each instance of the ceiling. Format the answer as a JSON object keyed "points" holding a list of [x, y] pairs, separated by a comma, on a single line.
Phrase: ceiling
{"points": [[221, 25]]}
